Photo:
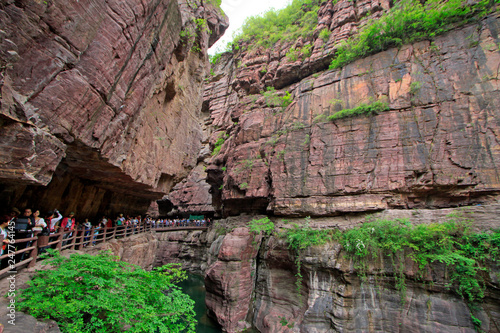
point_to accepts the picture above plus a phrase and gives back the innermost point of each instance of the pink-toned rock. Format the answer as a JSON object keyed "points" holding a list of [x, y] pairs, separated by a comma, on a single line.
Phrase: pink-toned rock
{"points": [[436, 146], [192, 194], [230, 280], [103, 94], [334, 298], [195, 250], [29, 154], [140, 250]]}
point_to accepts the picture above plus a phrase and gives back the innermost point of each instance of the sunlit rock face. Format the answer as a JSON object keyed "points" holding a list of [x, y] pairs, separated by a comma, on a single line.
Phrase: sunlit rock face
{"points": [[436, 146], [231, 279], [101, 100]]}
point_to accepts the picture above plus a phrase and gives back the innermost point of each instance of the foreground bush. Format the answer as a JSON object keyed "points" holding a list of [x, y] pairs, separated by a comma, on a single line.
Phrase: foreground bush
{"points": [[85, 293]]}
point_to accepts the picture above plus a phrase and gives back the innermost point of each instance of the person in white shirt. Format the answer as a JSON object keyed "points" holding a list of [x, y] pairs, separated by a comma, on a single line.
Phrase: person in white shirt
{"points": [[54, 220], [39, 221]]}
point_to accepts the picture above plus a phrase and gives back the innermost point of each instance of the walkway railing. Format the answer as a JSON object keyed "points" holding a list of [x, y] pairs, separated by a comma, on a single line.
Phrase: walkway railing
{"points": [[25, 252]]}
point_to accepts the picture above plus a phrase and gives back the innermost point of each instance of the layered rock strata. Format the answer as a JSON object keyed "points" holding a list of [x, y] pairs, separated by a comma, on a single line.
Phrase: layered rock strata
{"points": [[253, 283], [334, 298], [436, 146], [140, 249], [195, 250], [101, 100]]}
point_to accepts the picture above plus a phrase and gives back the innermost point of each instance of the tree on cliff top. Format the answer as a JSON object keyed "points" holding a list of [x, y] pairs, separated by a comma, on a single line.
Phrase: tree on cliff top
{"points": [[87, 293]]}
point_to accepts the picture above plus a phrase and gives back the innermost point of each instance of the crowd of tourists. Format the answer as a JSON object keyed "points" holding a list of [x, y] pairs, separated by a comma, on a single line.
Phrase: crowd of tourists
{"points": [[164, 223], [26, 224]]}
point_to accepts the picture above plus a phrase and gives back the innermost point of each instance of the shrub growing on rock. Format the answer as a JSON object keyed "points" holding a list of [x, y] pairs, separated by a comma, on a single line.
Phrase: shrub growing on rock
{"points": [[85, 293]]}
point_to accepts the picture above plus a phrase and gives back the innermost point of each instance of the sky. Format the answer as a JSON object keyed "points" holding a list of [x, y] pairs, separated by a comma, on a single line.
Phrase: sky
{"points": [[237, 11]]}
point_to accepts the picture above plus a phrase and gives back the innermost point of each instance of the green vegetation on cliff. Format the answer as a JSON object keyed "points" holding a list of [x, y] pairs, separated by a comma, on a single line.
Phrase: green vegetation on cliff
{"points": [[465, 253], [85, 293], [299, 19], [453, 243], [218, 144], [361, 110], [272, 98], [407, 22], [216, 3], [264, 225]]}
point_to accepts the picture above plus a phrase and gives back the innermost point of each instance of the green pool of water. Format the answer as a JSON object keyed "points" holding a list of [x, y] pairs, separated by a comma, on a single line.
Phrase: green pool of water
{"points": [[194, 286]]}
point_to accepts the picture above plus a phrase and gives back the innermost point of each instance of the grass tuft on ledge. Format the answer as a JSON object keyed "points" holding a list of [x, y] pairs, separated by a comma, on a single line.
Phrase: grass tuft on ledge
{"points": [[361, 110]]}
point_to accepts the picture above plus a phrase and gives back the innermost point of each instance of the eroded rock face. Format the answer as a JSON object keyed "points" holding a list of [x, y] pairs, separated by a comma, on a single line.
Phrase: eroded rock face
{"points": [[338, 300], [230, 280], [436, 146], [140, 249], [105, 95], [332, 295], [192, 194], [195, 250]]}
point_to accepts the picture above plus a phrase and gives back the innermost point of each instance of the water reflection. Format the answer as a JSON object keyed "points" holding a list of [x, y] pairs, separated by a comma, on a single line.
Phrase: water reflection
{"points": [[194, 286]]}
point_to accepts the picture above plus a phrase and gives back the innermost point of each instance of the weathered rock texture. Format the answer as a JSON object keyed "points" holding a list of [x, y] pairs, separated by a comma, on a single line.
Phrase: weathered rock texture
{"points": [[230, 281], [100, 100], [192, 194], [140, 249], [333, 297], [195, 250], [437, 146], [336, 299]]}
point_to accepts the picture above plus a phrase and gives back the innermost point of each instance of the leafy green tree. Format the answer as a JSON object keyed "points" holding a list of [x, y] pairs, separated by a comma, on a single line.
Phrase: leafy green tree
{"points": [[85, 293]]}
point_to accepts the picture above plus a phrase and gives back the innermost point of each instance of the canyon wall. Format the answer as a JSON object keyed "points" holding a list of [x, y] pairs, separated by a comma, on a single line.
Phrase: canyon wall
{"points": [[195, 250], [434, 149], [104, 109], [101, 101], [436, 146], [251, 280], [335, 298]]}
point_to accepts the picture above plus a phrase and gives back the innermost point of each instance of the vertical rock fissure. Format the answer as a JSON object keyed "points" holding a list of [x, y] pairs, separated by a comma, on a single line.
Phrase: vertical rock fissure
{"points": [[260, 252]]}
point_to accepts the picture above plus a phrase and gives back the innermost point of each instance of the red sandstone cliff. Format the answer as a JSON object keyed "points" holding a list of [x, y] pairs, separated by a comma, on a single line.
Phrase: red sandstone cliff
{"points": [[101, 100], [437, 146], [251, 280]]}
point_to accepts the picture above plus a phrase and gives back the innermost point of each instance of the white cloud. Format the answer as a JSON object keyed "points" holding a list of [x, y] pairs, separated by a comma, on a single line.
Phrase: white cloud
{"points": [[238, 11]]}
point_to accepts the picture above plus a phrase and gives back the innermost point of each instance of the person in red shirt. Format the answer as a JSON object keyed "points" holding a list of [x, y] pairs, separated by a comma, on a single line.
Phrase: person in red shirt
{"points": [[68, 224], [109, 223]]}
